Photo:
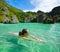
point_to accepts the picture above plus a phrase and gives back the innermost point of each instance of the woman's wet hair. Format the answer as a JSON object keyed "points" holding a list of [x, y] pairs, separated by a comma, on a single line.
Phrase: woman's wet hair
{"points": [[23, 31], [20, 33]]}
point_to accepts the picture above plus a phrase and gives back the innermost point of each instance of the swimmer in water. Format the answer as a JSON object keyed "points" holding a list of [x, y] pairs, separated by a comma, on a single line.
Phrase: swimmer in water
{"points": [[24, 33]]}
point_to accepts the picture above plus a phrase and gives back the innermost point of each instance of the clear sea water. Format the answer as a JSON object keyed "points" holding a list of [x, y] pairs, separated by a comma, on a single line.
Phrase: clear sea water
{"points": [[50, 33]]}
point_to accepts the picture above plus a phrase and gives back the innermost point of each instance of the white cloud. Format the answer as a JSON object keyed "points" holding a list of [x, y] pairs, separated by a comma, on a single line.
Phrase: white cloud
{"points": [[44, 5]]}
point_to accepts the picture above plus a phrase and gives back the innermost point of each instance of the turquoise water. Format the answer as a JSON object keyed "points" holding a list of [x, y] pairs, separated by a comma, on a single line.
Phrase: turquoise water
{"points": [[48, 32]]}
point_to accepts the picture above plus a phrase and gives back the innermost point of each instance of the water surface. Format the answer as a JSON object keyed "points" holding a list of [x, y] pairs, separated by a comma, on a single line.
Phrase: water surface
{"points": [[48, 32]]}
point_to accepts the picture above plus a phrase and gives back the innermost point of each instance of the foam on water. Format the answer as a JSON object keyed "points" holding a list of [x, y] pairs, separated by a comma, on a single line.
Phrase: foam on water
{"points": [[48, 32]]}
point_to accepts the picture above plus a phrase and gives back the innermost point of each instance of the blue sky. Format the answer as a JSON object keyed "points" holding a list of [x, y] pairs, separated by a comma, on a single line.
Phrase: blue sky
{"points": [[34, 5], [21, 4]]}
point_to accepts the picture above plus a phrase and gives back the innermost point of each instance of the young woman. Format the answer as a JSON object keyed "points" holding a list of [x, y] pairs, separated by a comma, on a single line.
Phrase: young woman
{"points": [[24, 33]]}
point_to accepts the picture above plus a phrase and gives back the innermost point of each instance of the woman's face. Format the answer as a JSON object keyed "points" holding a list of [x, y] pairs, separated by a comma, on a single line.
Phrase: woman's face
{"points": [[26, 34]]}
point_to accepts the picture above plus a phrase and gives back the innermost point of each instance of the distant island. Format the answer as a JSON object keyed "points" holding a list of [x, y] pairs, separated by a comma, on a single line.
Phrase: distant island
{"points": [[12, 15]]}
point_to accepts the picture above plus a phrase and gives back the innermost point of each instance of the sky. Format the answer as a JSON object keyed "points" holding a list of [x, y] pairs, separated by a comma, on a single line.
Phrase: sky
{"points": [[34, 5]]}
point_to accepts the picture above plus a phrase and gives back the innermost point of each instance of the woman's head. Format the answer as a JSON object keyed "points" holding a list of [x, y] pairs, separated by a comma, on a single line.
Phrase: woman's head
{"points": [[23, 33]]}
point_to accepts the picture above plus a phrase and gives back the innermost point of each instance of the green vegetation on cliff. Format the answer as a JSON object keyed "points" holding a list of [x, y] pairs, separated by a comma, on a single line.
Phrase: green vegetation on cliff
{"points": [[10, 11]]}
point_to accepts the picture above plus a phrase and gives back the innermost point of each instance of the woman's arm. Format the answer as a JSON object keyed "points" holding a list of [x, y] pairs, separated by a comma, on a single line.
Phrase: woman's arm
{"points": [[37, 39], [31, 39], [27, 38], [16, 34]]}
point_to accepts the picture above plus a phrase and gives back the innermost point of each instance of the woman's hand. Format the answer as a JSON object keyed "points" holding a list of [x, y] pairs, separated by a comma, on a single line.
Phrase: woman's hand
{"points": [[40, 40], [10, 32]]}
